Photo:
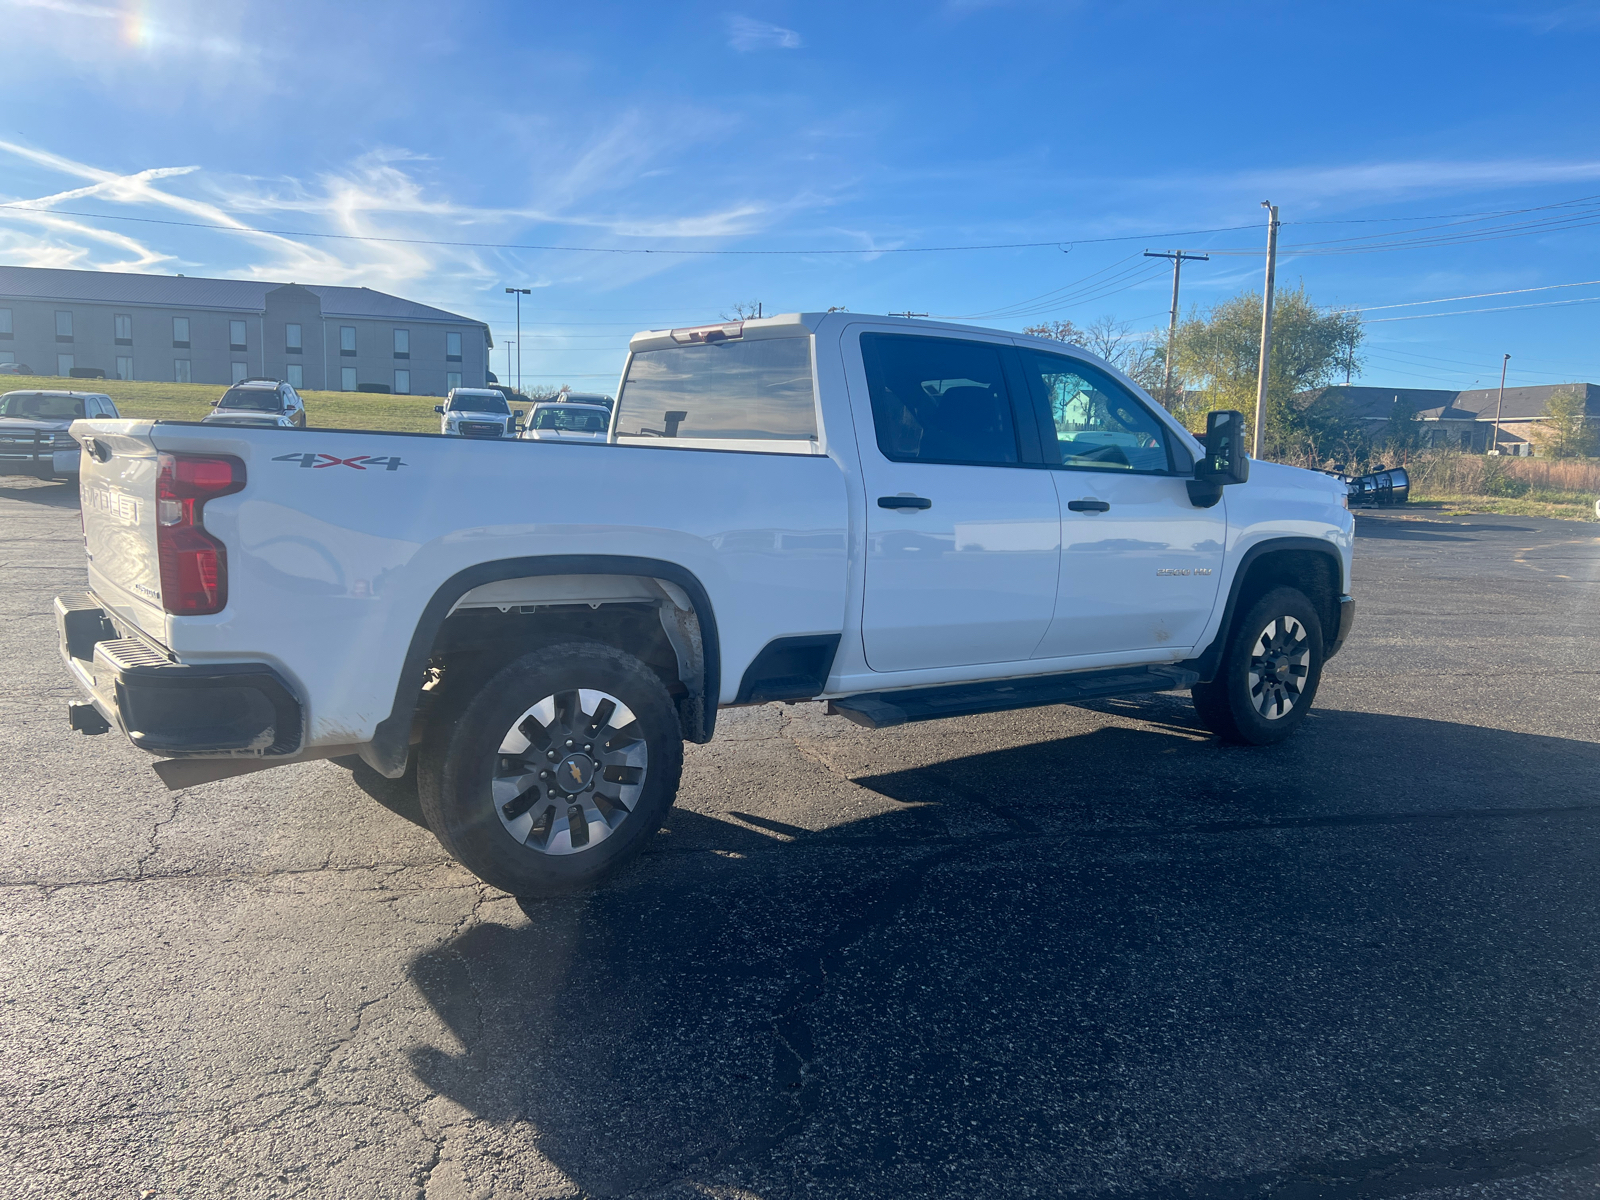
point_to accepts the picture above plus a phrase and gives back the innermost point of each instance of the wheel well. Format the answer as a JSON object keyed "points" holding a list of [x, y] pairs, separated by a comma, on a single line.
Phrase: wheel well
{"points": [[474, 643], [1311, 571]]}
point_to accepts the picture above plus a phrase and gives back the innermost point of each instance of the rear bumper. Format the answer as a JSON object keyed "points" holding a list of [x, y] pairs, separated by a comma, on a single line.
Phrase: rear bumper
{"points": [[1347, 619], [227, 710]]}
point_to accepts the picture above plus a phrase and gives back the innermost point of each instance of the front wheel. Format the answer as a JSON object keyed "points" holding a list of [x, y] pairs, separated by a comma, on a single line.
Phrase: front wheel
{"points": [[555, 772], [1271, 666]]}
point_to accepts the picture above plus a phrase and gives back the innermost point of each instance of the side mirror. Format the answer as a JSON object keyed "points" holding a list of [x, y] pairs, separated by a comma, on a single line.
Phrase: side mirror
{"points": [[214, 403], [516, 414], [439, 408], [1225, 460]]}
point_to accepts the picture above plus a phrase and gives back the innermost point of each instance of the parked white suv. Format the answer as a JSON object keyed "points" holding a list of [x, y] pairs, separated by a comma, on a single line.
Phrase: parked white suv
{"points": [[477, 413], [907, 519], [269, 403]]}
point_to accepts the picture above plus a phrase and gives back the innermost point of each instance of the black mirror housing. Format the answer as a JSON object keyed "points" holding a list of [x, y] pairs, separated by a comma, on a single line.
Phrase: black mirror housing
{"points": [[439, 408], [1225, 461]]}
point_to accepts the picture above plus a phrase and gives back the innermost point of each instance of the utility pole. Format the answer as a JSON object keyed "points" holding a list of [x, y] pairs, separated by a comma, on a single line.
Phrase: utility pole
{"points": [[1500, 403], [1178, 258], [519, 293], [1266, 329]]}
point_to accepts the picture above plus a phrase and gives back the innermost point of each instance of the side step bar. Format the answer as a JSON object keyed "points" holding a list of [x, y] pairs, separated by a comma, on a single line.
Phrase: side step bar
{"points": [[879, 710]]}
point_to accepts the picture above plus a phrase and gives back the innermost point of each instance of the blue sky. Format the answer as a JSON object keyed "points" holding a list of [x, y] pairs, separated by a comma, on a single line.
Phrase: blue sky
{"points": [[830, 127]]}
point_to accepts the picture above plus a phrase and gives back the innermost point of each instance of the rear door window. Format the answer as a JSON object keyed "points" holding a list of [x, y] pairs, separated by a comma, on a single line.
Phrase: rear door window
{"points": [[1098, 425], [939, 399], [726, 391]]}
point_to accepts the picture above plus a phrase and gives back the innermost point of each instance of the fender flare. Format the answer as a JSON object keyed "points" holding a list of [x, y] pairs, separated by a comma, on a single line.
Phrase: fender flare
{"points": [[390, 746], [1206, 662]]}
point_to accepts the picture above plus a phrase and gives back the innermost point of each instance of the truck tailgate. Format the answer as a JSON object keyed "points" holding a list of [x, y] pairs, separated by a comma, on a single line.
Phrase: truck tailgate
{"points": [[117, 485]]}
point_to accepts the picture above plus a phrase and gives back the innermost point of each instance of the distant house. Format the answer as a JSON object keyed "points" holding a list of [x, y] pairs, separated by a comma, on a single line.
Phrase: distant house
{"points": [[1459, 420], [172, 328]]}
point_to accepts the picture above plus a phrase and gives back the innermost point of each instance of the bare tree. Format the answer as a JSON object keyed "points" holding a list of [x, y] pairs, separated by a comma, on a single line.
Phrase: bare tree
{"points": [[744, 311]]}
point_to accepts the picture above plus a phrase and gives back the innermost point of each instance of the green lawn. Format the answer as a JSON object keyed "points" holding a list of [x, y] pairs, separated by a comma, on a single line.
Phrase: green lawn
{"points": [[191, 401]]}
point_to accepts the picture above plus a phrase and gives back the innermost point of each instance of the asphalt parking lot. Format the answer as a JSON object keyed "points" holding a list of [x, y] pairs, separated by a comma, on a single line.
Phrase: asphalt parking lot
{"points": [[1070, 952]]}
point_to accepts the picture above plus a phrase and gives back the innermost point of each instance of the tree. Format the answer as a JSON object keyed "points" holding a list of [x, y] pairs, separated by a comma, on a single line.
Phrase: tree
{"points": [[1061, 331], [744, 311], [1219, 353], [1403, 434], [1114, 341], [1566, 432]]}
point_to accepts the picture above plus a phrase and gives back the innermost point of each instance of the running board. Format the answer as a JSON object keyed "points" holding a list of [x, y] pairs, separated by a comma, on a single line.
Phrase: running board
{"points": [[879, 710]]}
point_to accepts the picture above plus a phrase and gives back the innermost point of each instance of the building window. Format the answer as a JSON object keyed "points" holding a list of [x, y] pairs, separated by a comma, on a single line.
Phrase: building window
{"points": [[124, 368], [296, 376], [180, 369], [452, 347], [63, 327], [452, 380], [63, 364], [180, 333], [241, 372], [402, 343], [236, 336], [291, 339], [402, 383], [347, 341], [124, 324], [5, 324], [347, 379]]}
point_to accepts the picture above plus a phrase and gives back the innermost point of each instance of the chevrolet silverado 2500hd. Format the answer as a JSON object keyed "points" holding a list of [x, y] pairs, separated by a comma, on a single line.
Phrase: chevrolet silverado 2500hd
{"points": [[907, 519]]}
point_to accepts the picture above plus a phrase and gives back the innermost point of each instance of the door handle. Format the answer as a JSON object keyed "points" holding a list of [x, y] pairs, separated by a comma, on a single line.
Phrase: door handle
{"points": [[904, 502], [1085, 505]]}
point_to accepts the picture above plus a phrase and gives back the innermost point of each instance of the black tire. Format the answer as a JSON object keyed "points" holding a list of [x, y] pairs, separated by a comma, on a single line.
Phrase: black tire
{"points": [[1259, 699], [473, 773]]}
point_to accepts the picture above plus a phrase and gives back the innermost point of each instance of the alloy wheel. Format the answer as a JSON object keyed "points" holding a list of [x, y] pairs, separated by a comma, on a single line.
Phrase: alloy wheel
{"points": [[569, 772], [1280, 661]]}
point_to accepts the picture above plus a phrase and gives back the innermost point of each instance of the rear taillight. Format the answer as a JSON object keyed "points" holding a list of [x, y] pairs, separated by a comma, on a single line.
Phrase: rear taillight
{"points": [[194, 565]]}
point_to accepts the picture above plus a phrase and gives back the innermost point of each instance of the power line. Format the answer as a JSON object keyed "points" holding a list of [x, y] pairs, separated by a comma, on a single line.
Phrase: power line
{"points": [[1477, 296], [1500, 308]]}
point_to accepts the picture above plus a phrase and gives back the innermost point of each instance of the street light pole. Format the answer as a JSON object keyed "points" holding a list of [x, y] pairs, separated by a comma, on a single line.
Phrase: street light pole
{"points": [[1500, 403], [509, 344], [519, 293], [1266, 330]]}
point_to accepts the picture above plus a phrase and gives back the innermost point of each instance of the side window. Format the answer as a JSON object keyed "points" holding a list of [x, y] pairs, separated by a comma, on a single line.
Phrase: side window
{"points": [[1098, 424], [939, 399]]}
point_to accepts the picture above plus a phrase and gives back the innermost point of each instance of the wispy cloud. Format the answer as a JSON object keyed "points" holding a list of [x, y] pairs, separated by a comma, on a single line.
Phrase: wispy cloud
{"points": [[143, 28], [746, 34], [1384, 180], [1553, 20]]}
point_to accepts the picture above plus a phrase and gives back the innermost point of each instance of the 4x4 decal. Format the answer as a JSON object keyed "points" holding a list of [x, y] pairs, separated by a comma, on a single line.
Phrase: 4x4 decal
{"points": [[360, 461]]}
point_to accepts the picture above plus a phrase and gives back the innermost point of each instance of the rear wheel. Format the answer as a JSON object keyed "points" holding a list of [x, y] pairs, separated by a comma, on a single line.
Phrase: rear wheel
{"points": [[555, 771], [1270, 669]]}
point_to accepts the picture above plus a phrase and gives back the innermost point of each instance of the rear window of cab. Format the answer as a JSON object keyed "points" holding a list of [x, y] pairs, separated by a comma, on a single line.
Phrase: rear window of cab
{"points": [[736, 394]]}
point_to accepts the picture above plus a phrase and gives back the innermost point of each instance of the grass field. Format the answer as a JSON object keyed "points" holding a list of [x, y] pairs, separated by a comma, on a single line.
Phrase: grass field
{"points": [[191, 401]]}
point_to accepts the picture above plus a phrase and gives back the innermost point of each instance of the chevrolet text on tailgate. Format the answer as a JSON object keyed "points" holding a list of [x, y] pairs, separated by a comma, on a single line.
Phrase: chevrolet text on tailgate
{"points": [[908, 519]]}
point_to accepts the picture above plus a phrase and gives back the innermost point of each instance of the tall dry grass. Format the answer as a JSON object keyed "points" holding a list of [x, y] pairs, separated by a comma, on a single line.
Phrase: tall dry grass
{"points": [[1447, 473]]}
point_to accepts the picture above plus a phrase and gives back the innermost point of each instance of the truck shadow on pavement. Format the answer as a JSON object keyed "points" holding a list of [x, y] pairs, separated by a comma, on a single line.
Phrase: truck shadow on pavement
{"points": [[50, 495], [1131, 961]]}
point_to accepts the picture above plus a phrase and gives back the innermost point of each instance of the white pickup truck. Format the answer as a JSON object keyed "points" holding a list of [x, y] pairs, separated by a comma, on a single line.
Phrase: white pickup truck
{"points": [[908, 519]]}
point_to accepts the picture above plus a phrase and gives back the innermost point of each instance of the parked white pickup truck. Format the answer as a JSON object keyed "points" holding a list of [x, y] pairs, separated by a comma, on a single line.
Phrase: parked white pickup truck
{"points": [[908, 519]]}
